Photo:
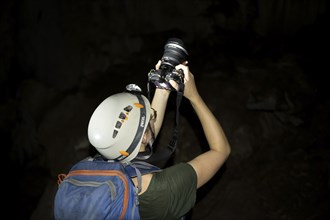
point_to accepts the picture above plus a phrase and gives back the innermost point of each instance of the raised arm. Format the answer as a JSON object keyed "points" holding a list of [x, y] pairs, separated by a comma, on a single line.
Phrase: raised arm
{"points": [[206, 164], [159, 103]]}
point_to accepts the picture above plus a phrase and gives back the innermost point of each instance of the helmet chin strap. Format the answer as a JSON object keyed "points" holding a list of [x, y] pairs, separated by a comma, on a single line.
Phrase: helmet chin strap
{"points": [[147, 153]]}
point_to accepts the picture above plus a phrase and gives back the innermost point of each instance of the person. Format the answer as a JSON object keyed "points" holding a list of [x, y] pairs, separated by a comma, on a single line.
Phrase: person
{"points": [[171, 193]]}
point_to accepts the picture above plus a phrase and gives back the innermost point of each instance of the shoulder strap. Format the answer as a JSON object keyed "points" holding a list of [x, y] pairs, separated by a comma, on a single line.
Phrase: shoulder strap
{"points": [[139, 168]]}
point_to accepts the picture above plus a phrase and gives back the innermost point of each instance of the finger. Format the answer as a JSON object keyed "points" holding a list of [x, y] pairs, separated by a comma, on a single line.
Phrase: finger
{"points": [[174, 84], [180, 66], [183, 67], [158, 65]]}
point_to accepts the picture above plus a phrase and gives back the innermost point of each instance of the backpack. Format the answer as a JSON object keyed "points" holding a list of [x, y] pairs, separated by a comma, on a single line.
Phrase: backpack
{"points": [[98, 189]]}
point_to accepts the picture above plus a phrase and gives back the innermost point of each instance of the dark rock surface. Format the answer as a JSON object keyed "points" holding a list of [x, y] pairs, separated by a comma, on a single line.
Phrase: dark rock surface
{"points": [[261, 67]]}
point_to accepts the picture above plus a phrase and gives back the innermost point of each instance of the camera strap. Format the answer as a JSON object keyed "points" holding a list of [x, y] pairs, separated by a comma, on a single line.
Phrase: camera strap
{"points": [[173, 143], [167, 152]]}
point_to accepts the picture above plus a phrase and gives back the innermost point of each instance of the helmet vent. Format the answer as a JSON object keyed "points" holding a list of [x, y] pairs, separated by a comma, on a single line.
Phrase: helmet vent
{"points": [[128, 108], [114, 134], [122, 116], [118, 124]]}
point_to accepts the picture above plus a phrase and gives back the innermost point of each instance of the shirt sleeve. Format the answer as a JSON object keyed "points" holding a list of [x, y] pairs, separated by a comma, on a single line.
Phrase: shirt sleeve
{"points": [[171, 193]]}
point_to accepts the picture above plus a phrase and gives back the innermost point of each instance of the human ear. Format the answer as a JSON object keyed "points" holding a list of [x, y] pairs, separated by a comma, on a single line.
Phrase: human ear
{"points": [[145, 138]]}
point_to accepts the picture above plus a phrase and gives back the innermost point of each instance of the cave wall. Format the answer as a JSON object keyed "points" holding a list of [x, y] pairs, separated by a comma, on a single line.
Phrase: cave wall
{"points": [[59, 59]]}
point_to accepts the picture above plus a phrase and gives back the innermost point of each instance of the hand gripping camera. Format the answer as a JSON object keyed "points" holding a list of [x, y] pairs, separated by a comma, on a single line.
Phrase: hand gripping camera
{"points": [[174, 54]]}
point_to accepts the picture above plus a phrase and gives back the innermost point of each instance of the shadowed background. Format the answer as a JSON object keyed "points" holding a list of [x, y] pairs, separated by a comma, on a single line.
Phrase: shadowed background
{"points": [[260, 66]]}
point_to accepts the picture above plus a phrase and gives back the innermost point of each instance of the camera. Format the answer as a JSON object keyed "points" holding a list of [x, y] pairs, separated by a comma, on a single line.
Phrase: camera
{"points": [[174, 53]]}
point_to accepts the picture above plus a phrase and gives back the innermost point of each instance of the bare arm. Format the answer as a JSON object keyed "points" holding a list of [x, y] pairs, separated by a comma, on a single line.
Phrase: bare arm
{"points": [[159, 103], [207, 164]]}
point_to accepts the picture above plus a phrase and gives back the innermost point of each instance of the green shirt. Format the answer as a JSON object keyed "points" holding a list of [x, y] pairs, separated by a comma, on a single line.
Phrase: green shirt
{"points": [[171, 193]]}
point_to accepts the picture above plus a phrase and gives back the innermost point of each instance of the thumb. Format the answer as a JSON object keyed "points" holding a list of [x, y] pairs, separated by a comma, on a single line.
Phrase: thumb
{"points": [[174, 84]]}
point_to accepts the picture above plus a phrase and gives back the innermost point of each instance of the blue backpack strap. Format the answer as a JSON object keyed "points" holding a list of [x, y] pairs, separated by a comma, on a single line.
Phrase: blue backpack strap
{"points": [[139, 178], [143, 167], [138, 169]]}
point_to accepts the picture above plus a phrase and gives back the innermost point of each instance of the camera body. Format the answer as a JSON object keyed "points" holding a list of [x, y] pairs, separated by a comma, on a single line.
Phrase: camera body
{"points": [[174, 54]]}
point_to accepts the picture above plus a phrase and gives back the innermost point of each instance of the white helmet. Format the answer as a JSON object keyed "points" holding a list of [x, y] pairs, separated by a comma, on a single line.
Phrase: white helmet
{"points": [[117, 125]]}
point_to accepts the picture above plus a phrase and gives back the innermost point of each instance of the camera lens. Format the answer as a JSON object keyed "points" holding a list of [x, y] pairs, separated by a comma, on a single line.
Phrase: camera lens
{"points": [[174, 52]]}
